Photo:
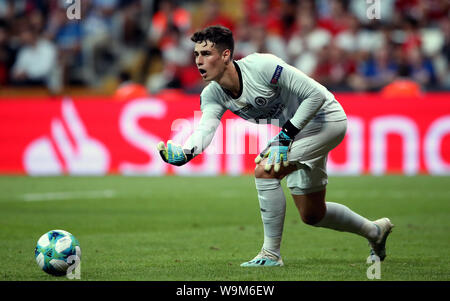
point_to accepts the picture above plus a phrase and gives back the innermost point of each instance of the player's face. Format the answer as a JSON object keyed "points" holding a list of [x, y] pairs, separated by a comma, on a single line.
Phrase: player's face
{"points": [[209, 61]]}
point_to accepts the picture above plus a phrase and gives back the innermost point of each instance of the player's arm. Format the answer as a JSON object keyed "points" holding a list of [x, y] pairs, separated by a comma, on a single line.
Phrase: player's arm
{"points": [[312, 93], [199, 140], [277, 72]]}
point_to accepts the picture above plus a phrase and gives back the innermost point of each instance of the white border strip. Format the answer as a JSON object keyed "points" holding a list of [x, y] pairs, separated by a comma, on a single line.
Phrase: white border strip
{"points": [[67, 195]]}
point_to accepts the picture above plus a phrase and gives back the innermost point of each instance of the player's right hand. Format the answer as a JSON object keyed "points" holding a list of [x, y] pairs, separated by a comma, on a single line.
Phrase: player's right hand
{"points": [[173, 154], [276, 152]]}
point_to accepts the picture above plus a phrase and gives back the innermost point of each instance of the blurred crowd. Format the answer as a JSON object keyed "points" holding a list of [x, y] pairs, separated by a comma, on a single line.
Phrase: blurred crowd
{"points": [[347, 45]]}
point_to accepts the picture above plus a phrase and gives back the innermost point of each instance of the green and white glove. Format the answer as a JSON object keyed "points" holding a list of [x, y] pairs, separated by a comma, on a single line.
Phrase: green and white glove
{"points": [[278, 147], [174, 154]]}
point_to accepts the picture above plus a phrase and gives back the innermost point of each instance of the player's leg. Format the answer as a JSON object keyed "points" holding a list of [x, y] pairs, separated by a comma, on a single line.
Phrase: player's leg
{"points": [[308, 183], [316, 212], [273, 207]]}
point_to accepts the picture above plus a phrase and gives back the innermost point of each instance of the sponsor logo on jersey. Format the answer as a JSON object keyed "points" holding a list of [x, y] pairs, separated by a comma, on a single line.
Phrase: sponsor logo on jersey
{"points": [[260, 101], [276, 75], [246, 108], [274, 113], [243, 111]]}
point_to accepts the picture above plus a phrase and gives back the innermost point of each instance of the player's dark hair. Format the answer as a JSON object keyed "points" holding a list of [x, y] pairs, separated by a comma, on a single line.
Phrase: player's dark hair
{"points": [[220, 36]]}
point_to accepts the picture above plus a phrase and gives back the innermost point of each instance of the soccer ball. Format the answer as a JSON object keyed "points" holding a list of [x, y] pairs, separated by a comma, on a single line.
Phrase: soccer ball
{"points": [[56, 251]]}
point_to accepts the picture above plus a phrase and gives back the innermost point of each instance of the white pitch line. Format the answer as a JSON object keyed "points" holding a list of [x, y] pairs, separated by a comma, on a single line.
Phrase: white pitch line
{"points": [[67, 195]]}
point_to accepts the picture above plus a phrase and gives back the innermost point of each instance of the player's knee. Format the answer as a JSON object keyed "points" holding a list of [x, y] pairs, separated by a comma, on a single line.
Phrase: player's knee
{"points": [[261, 173]]}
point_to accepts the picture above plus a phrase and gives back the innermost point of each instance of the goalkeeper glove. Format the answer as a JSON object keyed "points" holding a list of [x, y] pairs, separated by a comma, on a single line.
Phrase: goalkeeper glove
{"points": [[278, 147], [174, 153]]}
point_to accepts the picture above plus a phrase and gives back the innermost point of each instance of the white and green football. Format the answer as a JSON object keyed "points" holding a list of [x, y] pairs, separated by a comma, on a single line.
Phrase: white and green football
{"points": [[56, 251]]}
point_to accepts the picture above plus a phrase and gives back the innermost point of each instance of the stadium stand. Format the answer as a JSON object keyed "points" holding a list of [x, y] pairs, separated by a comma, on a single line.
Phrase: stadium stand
{"points": [[337, 42]]}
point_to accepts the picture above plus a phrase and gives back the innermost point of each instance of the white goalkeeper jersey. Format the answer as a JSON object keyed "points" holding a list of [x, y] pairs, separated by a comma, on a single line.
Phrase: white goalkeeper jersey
{"points": [[271, 92]]}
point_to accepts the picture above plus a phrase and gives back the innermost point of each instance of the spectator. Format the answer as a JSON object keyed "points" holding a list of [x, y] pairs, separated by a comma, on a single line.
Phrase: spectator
{"points": [[115, 36], [7, 53], [67, 36], [421, 69], [36, 60], [435, 10], [131, 41], [214, 15], [168, 14], [99, 42], [261, 41], [242, 39], [307, 42], [358, 39], [276, 16], [36, 20], [411, 35], [264, 12], [379, 70], [444, 56], [334, 69], [12, 8], [288, 17], [336, 21], [131, 31], [178, 70]]}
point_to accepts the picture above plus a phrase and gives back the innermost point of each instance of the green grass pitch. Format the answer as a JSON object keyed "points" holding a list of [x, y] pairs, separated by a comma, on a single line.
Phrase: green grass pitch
{"points": [[201, 228]]}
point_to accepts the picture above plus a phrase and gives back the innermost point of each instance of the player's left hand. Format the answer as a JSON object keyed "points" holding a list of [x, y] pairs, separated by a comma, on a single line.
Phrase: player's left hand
{"points": [[173, 154], [276, 152]]}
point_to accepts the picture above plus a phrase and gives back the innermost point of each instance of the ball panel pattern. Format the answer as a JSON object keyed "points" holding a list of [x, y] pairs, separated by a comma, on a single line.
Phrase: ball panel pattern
{"points": [[53, 249]]}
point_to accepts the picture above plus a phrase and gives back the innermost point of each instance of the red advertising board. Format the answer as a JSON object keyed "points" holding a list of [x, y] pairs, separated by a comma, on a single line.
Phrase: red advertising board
{"points": [[97, 136]]}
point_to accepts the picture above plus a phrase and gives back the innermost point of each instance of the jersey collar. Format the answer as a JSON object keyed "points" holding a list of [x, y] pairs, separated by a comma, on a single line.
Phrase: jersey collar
{"points": [[241, 86]]}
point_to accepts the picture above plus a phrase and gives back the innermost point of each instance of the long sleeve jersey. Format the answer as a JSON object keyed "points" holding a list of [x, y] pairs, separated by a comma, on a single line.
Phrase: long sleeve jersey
{"points": [[271, 92]]}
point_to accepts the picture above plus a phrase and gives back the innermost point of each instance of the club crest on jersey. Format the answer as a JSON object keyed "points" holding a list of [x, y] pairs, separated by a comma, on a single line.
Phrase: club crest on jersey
{"points": [[276, 75], [260, 101]]}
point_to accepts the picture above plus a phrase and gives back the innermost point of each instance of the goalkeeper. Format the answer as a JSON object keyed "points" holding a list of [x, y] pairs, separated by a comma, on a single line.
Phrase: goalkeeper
{"points": [[263, 88]]}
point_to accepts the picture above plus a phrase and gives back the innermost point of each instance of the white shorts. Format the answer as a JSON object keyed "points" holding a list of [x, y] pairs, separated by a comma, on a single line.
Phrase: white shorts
{"points": [[310, 152]]}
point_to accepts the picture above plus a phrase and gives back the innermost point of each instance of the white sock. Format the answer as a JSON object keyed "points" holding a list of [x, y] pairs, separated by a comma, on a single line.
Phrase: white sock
{"points": [[341, 218], [273, 208]]}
